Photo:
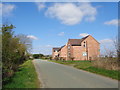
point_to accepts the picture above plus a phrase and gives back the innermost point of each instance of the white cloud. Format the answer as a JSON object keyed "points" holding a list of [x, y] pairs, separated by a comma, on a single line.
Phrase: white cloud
{"points": [[107, 45], [104, 41], [48, 46], [61, 34], [46, 49], [32, 37], [112, 22], [40, 5], [6, 9], [71, 13], [84, 34]]}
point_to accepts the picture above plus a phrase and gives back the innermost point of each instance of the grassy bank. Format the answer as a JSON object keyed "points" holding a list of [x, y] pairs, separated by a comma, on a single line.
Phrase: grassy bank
{"points": [[87, 66], [26, 77]]}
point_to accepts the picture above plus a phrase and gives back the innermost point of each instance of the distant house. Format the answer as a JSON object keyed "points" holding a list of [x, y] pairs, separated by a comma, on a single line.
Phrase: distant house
{"points": [[86, 48], [55, 53]]}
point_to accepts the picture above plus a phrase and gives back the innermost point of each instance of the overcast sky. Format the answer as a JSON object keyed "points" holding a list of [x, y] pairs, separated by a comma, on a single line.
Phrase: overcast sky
{"points": [[52, 24]]}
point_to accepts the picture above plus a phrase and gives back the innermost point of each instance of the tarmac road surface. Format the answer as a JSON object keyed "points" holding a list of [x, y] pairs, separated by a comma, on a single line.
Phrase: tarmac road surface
{"points": [[53, 75]]}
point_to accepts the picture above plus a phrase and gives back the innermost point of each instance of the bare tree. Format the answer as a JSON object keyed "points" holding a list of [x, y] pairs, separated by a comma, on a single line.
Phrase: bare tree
{"points": [[25, 41], [112, 51], [109, 52], [116, 45]]}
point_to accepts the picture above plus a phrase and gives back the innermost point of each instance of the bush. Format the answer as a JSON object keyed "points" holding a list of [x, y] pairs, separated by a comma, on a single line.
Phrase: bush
{"points": [[56, 58], [14, 52], [107, 63]]}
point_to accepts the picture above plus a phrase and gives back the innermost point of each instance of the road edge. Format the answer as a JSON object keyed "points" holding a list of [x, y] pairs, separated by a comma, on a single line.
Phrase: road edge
{"points": [[39, 76]]}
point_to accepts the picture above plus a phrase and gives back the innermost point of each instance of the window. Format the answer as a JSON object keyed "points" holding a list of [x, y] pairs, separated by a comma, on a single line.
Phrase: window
{"points": [[68, 47], [84, 53], [84, 45], [56, 51], [69, 54]]}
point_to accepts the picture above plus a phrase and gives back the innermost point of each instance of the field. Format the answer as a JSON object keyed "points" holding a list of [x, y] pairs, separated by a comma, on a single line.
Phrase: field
{"points": [[26, 77]]}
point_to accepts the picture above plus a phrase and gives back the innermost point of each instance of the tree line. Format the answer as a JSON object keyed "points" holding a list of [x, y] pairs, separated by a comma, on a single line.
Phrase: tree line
{"points": [[42, 56], [15, 50]]}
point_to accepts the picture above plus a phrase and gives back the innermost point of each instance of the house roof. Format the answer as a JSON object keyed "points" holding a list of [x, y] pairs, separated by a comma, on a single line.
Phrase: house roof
{"points": [[56, 48], [61, 47], [76, 42]]}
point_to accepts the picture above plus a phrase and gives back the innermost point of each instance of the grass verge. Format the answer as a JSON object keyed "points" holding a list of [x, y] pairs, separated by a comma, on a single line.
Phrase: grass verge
{"points": [[87, 66], [26, 77]]}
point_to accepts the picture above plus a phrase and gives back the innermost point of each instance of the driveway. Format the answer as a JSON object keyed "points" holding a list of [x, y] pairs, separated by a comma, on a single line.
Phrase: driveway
{"points": [[53, 75]]}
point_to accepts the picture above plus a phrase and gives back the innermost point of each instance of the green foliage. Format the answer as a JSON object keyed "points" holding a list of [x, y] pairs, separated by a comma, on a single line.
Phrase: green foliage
{"points": [[0, 50], [14, 52], [83, 65], [37, 56], [26, 77]]}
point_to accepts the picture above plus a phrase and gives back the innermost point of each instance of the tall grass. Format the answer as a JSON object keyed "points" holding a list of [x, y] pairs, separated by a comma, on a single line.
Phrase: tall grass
{"points": [[106, 63]]}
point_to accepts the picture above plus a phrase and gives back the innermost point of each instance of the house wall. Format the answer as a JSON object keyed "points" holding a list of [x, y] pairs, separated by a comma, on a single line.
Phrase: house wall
{"points": [[77, 53], [63, 52], [54, 54], [69, 51], [92, 46]]}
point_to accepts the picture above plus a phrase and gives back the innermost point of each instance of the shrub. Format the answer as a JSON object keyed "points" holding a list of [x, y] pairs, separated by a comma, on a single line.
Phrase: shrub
{"points": [[72, 58], [14, 51], [107, 63], [56, 58]]}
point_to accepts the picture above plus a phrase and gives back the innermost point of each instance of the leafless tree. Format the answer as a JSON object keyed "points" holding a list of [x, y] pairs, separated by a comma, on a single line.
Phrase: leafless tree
{"points": [[26, 41], [109, 52], [115, 44]]}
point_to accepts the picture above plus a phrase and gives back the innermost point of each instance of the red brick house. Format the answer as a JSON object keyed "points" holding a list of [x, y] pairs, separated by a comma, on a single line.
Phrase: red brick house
{"points": [[86, 48], [55, 53]]}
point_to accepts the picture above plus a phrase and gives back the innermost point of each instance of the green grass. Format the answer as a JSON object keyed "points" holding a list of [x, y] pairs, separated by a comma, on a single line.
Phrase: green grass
{"points": [[87, 66], [109, 73], [26, 77]]}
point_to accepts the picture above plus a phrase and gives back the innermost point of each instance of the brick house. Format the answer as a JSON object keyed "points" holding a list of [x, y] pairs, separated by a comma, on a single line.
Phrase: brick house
{"points": [[86, 48], [55, 53]]}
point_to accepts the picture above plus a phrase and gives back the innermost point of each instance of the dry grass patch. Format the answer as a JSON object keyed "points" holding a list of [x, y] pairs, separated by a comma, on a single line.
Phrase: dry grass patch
{"points": [[107, 63]]}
